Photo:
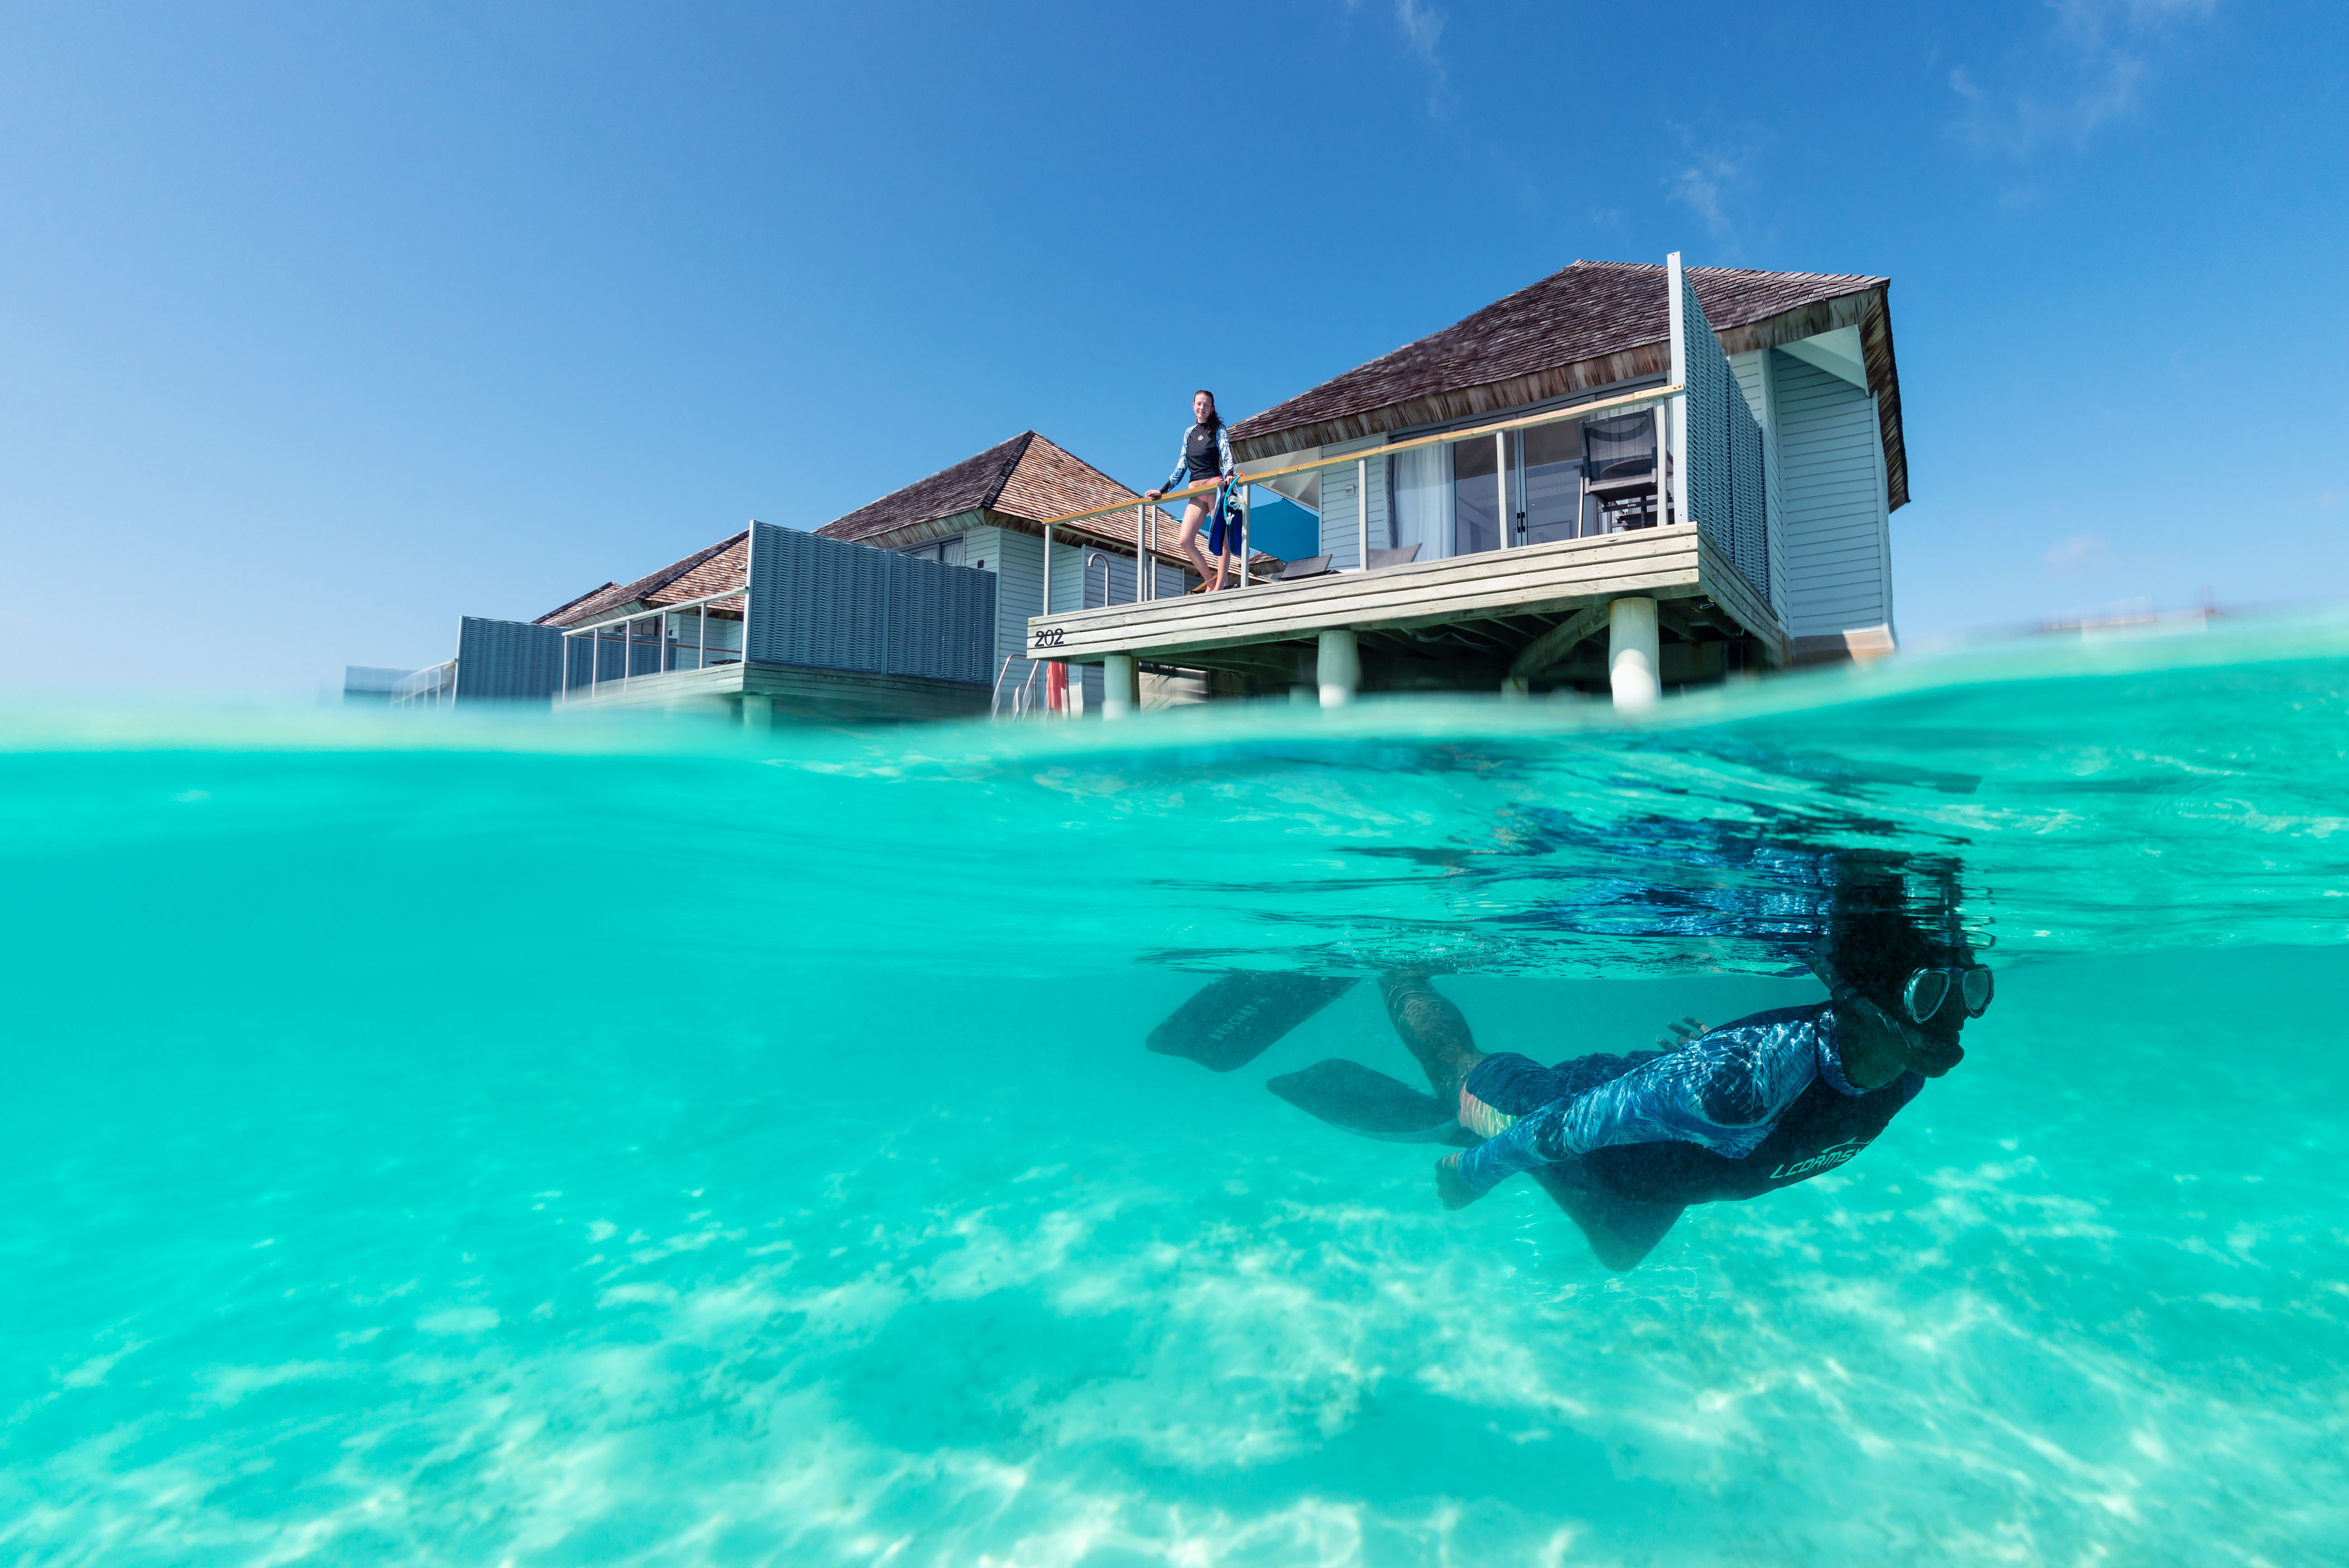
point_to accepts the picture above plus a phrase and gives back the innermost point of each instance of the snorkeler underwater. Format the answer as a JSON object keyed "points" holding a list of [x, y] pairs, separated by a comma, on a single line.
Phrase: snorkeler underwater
{"points": [[1626, 1142]]}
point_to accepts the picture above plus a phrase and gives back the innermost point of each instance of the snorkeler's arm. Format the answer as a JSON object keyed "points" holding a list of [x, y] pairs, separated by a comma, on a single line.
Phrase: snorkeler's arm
{"points": [[1723, 1093], [1224, 449]]}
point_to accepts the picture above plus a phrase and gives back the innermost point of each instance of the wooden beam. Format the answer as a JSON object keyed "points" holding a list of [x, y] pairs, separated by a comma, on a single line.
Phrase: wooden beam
{"points": [[1672, 614], [1552, 646]]}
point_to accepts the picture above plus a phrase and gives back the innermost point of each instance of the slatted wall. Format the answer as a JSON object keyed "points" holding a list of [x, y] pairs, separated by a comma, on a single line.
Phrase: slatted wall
{"points": [[1754, 379], [1723, 459], [507, 660], [825, 603]]}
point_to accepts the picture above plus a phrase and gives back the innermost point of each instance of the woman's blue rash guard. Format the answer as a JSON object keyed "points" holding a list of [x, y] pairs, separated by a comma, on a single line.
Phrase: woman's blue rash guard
{"points": [[1724, 1091], [1188, 465]]}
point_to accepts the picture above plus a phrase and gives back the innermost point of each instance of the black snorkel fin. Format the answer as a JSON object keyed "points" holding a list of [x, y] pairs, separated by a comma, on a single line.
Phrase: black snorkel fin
{"points": [[1232, 1021], [1364, 1101]]}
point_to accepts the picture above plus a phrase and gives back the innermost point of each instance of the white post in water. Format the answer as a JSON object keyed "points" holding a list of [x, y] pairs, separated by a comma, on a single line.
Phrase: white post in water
{"points": [[1121, 686], [1340, 668], [758, 711], [1632, 658]]}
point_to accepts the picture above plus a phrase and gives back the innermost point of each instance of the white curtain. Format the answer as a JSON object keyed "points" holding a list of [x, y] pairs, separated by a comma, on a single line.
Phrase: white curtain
{"points": [[1419, 500]]}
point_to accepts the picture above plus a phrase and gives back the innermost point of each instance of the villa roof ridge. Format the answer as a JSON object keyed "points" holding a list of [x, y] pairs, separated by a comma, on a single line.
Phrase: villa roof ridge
{"points": [[1025, 441]]}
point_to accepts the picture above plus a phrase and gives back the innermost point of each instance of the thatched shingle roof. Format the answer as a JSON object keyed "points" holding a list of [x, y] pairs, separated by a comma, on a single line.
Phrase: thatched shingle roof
{"points": [[719, 569], [1027, 479], [1593, 324]]}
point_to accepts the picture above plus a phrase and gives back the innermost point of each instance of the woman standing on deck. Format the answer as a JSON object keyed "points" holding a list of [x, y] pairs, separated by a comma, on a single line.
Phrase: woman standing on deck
{"points": [[1206, 455]]}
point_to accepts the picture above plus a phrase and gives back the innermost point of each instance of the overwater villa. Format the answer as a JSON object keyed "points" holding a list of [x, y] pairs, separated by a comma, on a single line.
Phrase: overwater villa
{"points": [[913, 607], [1621, 480]]}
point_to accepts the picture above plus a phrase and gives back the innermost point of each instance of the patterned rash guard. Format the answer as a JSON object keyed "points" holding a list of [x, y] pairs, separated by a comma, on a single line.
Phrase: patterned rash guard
{"points": [[1724, 1091], [1207, 454]]}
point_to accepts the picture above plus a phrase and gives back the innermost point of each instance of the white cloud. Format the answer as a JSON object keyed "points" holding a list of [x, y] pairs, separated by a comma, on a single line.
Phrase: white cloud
{"points": [[1422, 26], [2081, 555], [1698, 188], [2089, 66], [1710, 183]]}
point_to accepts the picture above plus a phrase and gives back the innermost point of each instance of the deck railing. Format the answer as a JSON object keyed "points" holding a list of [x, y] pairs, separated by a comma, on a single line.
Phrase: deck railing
{"points": [[1655, 400], [432, 687], [650, 641]]}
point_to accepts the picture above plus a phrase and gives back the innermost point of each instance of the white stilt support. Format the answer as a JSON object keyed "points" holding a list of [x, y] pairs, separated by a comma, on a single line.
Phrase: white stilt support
{"points": [[1340, 668], [758, 710], [1121, 686], [1633, 662]]}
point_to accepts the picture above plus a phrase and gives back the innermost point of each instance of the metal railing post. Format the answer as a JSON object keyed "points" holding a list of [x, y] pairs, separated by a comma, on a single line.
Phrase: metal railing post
{"points": [[1245, 546], [1663, 463], [1361, 514], [1501, 473]]}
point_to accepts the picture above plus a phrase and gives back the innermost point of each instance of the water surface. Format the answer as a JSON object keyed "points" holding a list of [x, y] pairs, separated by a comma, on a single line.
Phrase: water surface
{"points": [[520, 1144]]}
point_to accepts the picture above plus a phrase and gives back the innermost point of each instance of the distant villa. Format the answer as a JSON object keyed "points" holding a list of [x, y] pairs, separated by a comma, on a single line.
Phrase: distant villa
{"points": [[1621, 481]]}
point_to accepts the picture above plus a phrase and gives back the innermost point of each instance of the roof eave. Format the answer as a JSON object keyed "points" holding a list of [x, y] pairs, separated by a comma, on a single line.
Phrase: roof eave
{"points": [[1871, 310], [923, 533]]}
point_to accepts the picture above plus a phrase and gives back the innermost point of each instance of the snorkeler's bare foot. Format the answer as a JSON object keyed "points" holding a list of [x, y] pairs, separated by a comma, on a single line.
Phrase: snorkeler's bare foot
{"points": [[1449, 1186]]}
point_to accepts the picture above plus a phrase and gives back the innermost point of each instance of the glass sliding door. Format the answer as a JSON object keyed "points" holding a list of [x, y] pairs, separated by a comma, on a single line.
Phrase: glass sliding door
{"points": [[1571, 479], [1475, 497], [1550, 482]]}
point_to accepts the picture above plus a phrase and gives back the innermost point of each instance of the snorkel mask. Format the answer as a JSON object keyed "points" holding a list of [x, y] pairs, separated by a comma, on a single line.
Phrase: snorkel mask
{"points": [[1928, 990]]}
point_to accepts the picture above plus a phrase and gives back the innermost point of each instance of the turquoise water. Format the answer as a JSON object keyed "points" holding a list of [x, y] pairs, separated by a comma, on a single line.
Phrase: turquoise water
{"points": [[479, 1143]]}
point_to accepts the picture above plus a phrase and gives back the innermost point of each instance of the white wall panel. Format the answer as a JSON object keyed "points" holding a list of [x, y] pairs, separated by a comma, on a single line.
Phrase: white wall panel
{"points": [[1831, 499]]}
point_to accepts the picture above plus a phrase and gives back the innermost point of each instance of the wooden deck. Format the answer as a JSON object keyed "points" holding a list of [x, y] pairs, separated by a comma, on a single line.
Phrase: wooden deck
{"points": [[838, 696], [1509, 597]]}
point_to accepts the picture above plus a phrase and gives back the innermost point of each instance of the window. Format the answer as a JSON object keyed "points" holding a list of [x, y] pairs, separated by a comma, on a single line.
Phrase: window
{"points": [[946, 550], [1419, 501], [1446, 497]]}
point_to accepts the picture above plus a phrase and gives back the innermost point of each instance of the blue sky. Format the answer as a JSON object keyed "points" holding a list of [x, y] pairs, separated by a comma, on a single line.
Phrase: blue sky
{"points": [[322, 325]]}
